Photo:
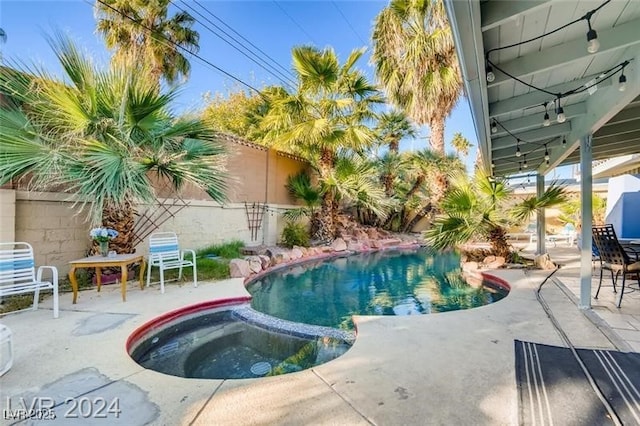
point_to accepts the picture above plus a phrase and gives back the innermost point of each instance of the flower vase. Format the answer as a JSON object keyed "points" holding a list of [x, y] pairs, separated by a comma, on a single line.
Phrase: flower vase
{"points": [[104, 248]]}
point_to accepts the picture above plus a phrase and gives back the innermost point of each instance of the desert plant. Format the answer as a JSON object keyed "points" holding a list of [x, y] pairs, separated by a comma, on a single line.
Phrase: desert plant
{"points": [[295, 234]]}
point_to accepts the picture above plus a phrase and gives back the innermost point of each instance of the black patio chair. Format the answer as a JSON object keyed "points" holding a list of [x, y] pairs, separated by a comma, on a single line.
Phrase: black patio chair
{"points": [[615, 258]]}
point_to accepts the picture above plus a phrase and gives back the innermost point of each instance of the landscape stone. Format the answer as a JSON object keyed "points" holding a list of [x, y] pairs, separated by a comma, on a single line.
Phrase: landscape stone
{"points": [[339, 245], [239, 268]]}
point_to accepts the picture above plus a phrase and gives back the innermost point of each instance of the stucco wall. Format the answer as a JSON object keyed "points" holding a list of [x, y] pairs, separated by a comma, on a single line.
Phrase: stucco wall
{"points": [[256, 174], [59, 233], [53, 226], [7, 214]]}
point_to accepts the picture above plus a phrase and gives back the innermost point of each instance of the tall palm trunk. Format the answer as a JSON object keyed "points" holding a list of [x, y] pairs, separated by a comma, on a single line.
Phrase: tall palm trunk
{"points": [[436, 138], [122, 219], [323, 225]]}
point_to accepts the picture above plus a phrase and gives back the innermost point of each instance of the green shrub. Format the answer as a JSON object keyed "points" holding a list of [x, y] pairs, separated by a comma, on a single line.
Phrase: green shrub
{"points": [[295, 234], [230, 250]]}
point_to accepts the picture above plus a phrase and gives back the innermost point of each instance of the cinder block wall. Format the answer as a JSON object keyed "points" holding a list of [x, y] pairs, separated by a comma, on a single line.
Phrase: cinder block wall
{"points": [[58, 233], [50, 223], [7, 214]]}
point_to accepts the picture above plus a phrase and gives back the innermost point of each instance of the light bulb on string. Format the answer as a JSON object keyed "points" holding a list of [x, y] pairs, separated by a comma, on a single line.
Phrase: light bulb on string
{"points": [[564, 142], [622, 82], [561, 117], [524, 163], [546, 152], [592, 37], [494, 127], [518, 153], [546, 122], [490, 75]]}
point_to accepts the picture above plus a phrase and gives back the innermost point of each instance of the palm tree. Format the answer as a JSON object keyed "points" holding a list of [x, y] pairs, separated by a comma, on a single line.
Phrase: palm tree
{"points": [[392, 127], [416, 62], [140, 31], [436, 169], [460, 144], [105, 135], [328, 114], [478, 209]]}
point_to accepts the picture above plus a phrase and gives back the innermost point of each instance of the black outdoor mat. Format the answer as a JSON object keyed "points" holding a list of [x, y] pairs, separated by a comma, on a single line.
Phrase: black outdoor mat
{"points": [[553, 389]]}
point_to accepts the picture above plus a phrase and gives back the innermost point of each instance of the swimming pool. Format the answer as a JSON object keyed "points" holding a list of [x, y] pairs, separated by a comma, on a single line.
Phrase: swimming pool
{"points": [[409, 282]]}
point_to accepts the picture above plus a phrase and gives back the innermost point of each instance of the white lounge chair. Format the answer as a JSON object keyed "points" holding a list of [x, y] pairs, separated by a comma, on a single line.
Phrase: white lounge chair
{"points": [[165, 253], [18, 274]]}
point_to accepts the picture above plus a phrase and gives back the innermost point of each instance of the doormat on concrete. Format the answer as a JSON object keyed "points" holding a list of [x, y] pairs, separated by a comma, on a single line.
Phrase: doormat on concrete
{"points": [[554, 389]]}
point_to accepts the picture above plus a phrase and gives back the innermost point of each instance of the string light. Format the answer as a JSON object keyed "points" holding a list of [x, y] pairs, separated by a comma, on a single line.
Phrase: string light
{"points": [[519, 166], [490, 75], [592, 36], [518, 153], [622, 82], [493, 165], [494, 127], [560, 112], [564, 142], [524, 163], [546, 152], [546, 122]]}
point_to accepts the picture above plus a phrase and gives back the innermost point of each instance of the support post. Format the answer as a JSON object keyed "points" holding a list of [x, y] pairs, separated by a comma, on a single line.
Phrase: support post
{"points": [[586, 202], [541, 247]]}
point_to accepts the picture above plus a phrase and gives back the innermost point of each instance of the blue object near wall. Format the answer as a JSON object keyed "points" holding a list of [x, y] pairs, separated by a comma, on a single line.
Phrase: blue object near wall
{"points": [[624, 215]]}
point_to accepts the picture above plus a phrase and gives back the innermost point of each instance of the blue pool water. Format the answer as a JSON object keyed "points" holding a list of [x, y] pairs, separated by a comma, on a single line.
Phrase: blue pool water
{"points": [[328, 293]]}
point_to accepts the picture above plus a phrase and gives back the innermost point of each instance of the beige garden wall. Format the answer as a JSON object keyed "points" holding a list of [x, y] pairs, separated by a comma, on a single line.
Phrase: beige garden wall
{"points": [[59, 233], [53, 226]]}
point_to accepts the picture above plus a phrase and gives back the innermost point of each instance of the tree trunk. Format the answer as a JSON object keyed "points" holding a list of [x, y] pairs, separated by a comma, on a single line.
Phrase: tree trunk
{"points": [[122, 219], [499, 244], [436, 138], [323, 224], [387, 181], [423, 212], [439, 188], [416, 186]]}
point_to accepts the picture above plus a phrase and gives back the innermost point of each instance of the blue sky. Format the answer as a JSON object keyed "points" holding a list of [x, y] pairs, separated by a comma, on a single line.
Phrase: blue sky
{"points": [[274, 27]]}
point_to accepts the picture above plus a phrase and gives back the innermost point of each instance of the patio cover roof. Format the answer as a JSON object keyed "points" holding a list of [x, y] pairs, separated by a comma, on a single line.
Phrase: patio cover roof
{"points": [[557, 63]]}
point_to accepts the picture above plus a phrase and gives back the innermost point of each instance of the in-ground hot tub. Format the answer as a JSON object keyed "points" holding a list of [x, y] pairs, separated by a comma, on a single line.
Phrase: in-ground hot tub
{"points": [[226, 339]]}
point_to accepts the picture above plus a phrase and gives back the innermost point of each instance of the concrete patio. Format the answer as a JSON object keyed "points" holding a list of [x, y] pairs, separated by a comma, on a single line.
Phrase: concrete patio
{"points": [[447, 368]]}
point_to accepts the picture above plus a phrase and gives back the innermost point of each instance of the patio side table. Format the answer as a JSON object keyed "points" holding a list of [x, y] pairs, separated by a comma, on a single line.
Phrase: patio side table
{"points": [[99, 262]]}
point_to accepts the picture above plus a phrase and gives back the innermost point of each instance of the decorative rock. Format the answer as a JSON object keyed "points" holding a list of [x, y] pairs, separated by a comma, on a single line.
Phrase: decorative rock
{"points": [[387, 242], [339, 245], [375, 244], [239, 268], [295, 253], [255, 263], [544, 261], [361, 235], [281, 257], [494, 262], [265, 260], [470, 266], [373, 233], [303, 250], [355, 246]]}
